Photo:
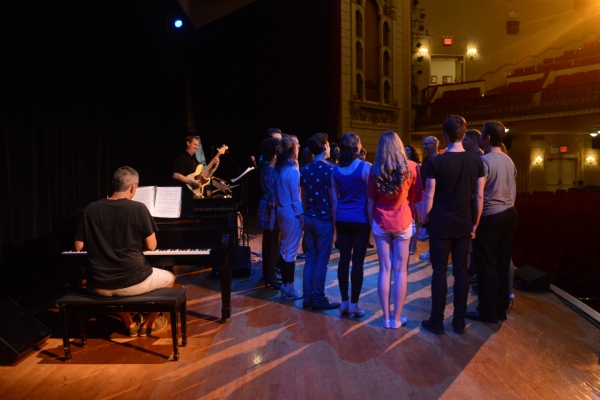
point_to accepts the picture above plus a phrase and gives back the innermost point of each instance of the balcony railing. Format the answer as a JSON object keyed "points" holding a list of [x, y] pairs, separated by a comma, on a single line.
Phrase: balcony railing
{"points": [[499, 106]]}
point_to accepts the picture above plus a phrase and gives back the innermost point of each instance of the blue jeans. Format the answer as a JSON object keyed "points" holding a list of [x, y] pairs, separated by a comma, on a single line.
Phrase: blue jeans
{"points": [[319, 236]]}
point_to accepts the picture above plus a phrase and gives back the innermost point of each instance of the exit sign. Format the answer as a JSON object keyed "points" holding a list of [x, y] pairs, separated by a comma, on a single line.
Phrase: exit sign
{"points": [[563, 149], [447, 41]]}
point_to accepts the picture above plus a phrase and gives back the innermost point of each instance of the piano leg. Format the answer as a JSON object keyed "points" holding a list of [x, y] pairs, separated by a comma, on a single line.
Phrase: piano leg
{"points": [[225, 277]]}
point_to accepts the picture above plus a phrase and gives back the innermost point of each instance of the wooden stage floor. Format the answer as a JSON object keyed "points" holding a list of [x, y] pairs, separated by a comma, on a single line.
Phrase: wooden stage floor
{"points": [[273, 349]]}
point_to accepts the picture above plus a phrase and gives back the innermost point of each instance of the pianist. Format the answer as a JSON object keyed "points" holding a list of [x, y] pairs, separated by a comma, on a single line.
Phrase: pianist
{"points": [[115, 232]]}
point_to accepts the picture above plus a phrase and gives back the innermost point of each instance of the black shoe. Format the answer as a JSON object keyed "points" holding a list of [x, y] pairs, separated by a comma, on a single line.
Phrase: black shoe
{"points": [[433, 327], [325, 304], [502, 315], [473, 279], [476, 316], [301, 256], [275, 285], [459, 325], [475, 289], [370, 245], [307, 303]]}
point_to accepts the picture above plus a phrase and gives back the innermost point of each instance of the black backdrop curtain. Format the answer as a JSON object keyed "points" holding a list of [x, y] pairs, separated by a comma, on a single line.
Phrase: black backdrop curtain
{"points": [[92, 85]]}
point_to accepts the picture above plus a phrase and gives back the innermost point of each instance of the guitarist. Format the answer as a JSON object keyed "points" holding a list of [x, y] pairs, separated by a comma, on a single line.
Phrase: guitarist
{"points": [[185, 164]]}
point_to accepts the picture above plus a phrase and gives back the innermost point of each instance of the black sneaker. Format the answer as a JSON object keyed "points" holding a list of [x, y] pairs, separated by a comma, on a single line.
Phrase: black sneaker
{"points": [[307, 303], [433, 327], [459, 325], [325, 304]]}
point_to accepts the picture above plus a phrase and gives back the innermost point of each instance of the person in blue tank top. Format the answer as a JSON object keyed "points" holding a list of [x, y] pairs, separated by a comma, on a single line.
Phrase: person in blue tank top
{"points": [[351, 220]]}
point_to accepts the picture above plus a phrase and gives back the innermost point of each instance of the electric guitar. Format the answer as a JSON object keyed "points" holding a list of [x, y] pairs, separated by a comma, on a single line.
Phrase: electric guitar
{"points": [[204, 176]]}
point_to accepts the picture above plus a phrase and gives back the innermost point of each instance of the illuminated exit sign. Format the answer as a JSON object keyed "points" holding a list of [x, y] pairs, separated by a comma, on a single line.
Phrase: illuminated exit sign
{"points": [[563, 149], [447, 41]]}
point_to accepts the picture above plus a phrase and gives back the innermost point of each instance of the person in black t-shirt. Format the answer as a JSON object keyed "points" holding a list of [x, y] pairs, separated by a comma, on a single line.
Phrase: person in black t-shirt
{"points": [[453, 179], [115, 231]]}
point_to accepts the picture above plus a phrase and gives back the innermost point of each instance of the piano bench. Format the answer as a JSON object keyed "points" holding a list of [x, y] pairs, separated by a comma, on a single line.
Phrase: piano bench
{"points": [[171, 300]]}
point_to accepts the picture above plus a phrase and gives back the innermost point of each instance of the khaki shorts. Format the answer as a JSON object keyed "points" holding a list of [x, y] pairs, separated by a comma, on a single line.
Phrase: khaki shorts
{"points": [[159, 278]]}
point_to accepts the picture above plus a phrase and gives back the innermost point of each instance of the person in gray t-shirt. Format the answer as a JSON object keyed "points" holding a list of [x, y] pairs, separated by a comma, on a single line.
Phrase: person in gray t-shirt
{"points": [[492, 246]]}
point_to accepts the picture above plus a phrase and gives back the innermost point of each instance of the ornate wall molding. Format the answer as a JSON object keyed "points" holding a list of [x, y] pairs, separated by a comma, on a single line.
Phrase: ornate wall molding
{"points": [[373, 114]]}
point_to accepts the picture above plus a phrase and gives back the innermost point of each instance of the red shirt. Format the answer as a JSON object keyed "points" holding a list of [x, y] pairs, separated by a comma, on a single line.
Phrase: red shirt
{"points": [[395, 214]]}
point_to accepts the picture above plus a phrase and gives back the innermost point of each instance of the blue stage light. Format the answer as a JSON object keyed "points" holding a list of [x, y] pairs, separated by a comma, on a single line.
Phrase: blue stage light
{"points": [[178, 23]]}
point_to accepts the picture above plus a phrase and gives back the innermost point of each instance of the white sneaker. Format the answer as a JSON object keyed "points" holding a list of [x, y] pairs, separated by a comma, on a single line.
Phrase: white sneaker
{"points": [[424, 256], [386, 323], [400, 324], [355, 311]]}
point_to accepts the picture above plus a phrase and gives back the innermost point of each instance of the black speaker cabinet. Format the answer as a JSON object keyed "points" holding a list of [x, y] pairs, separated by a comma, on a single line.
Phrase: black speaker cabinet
{"points": [[242, 265], [19, 332], [530, 279]]}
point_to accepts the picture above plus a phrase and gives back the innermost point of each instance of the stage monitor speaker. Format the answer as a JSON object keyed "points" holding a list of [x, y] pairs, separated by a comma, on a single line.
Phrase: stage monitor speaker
{"points": [[530, 279], [19, 332], [242, 264]]}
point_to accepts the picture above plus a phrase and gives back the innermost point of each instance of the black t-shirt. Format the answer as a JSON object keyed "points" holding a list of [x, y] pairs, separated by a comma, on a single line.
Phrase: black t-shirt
{"points": [[455, 175], [185, 164], [113, 232]]}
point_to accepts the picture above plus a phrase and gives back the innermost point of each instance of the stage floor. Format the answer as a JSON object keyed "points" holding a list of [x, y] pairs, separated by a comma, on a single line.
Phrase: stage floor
{"points": [[273, 349]]}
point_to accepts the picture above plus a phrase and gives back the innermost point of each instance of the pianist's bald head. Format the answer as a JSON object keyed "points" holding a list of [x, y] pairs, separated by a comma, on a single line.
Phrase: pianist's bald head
{"points": [[124, 178]]}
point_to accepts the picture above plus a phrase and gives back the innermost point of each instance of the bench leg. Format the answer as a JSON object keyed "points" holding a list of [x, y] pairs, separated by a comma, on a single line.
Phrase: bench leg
{"points": [[65, 332], [183, 317], [174, 316], [82, 329]]}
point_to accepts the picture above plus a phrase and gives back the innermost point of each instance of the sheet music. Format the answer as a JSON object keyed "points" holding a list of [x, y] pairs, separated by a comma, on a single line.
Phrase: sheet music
{"points": [[161, 201], [145, 195], [244, 173], [167, 203]]}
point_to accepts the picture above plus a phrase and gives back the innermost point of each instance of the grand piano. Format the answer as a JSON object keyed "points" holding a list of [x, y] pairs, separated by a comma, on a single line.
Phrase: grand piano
{"points": [[208, 238]]}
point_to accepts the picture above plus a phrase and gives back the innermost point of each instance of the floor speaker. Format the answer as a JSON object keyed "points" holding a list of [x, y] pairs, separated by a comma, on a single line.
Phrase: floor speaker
{"points": [[19, 332], [242, 266], [530, 279]]}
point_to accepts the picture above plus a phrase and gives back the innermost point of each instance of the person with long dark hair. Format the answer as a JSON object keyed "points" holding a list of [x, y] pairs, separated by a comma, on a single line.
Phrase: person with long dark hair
{"points": [[289, 212], [267, 212], [352, 224], [414, 156], [394, 186]]}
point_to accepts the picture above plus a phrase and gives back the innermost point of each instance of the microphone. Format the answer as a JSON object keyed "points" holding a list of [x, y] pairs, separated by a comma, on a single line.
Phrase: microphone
{"points": [[253, 161]]}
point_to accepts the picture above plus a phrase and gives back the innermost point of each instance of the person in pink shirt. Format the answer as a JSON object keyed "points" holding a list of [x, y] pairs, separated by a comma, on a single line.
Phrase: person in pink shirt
{"points": [[394, 185]]}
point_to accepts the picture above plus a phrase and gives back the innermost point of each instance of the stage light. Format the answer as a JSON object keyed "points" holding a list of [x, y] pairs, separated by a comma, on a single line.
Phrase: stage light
{"points": [[178, 23]]}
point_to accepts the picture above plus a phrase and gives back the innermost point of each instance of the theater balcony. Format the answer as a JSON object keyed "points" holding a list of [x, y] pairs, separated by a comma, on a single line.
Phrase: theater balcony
{"points": [[568, 96]]}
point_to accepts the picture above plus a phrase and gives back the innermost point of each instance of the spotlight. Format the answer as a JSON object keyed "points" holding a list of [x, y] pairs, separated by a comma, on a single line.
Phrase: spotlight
{"points": [[415, 3], [594, 134], [418, 44], [420, 58], [421, 28], [422, 16], [178, 23], [420, 72]]}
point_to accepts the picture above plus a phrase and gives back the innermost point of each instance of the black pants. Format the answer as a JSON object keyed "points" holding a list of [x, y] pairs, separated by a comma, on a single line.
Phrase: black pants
{"points": [[440, 249], [352, 238], [270, 253], [492, 249]]}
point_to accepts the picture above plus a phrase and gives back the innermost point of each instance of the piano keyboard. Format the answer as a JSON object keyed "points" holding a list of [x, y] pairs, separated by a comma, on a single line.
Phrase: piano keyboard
{"points": [[169, 252]]}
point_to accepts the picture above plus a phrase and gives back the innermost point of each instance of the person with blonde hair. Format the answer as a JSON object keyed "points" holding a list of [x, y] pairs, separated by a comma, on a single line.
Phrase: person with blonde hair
{"points": [[289, 212], [394, 185]]}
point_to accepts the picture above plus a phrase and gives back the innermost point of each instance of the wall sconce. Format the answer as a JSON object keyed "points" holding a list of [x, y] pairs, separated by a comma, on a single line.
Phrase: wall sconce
{"points": [[472, 53], [590, 160], [538, 160]]}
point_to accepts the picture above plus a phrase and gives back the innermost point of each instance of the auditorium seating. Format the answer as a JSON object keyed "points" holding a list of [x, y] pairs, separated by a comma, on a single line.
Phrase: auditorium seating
{"points": [[589, 54], [558, 234]]}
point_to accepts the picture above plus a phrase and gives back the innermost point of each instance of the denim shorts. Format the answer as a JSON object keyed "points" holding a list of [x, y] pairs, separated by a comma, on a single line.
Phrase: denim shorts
{"points": [[403, 235]]}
